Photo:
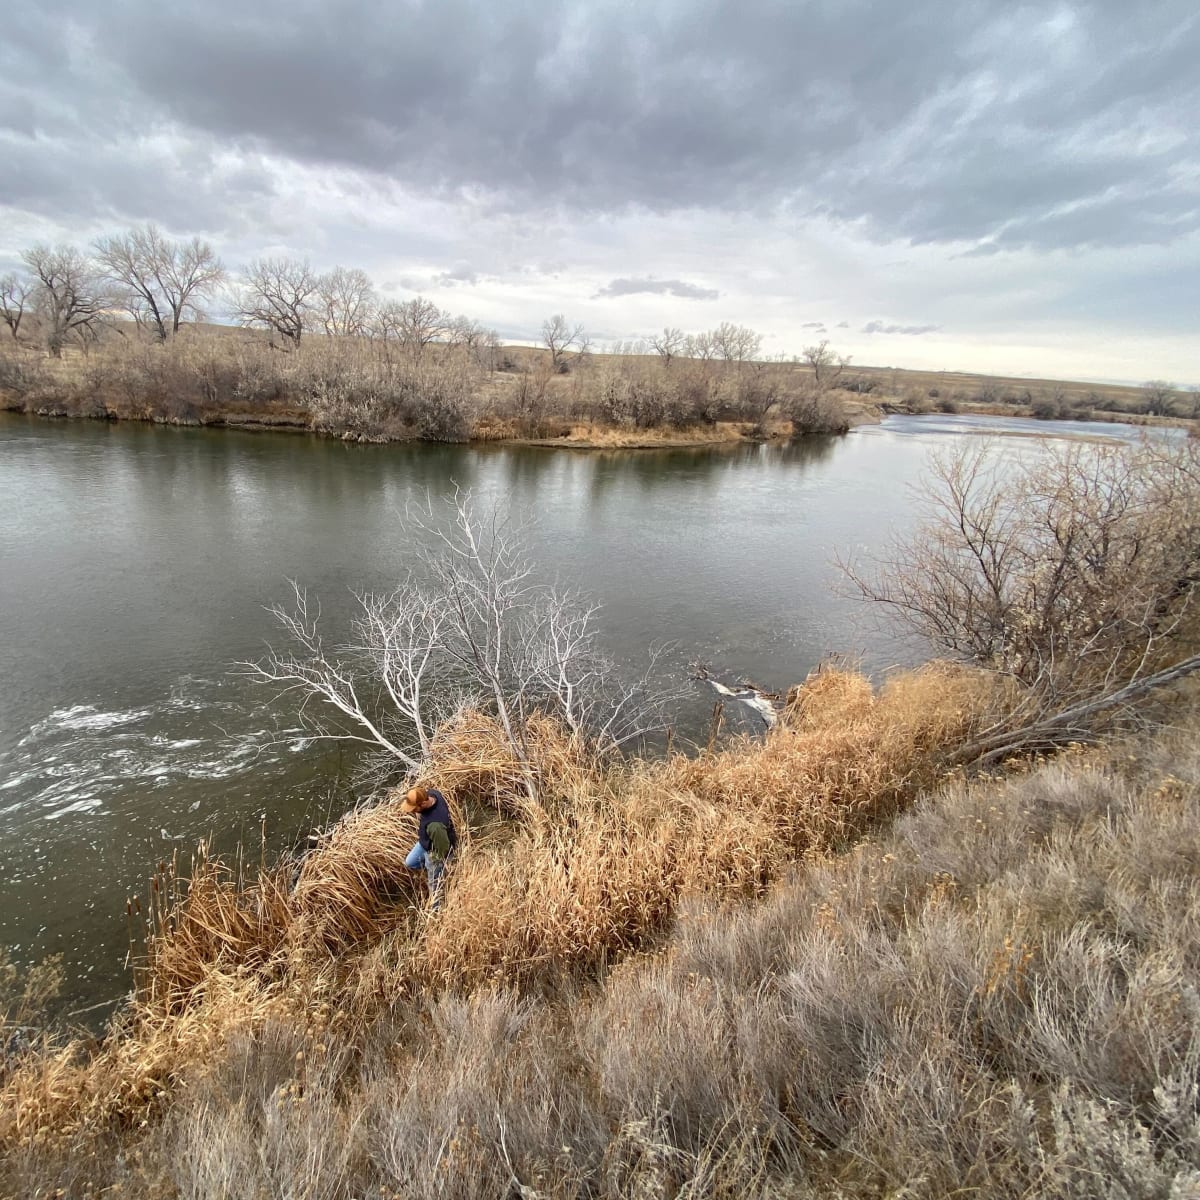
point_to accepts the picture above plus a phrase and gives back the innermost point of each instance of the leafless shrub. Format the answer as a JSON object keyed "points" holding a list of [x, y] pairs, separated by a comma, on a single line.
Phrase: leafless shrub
{"points": [[1073, 573], [19, 377], [1159, 397], [815, 411]]}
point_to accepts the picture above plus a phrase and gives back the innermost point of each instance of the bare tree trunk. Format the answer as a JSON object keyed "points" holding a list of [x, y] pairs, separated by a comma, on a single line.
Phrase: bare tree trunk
{"points": [[1072, 724]]}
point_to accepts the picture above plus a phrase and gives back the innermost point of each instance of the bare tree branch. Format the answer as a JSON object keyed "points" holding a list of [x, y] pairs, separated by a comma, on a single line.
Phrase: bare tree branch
{"points": [[17, 295], [68, 293], [560, 338], [1072, 575], [346, 302], [162, 279], [278, 294], [472, 625]]}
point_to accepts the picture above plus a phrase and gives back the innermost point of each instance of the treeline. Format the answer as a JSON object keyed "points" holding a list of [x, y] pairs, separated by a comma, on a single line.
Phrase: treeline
{"points": [[339, 358], [158, 283], [70, 297]]}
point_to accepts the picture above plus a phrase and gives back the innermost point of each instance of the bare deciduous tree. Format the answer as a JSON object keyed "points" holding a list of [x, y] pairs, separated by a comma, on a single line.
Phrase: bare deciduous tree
{"points": [[413, 323], [735, 343], [278, 294], [417, 323], [1071, 575], [69, 293], [471, 626], [480, 343], [560, 337], [827, 365], [668, 344], [16, 297], [701, 346], [345, 299], [1159, 396], [161, 279]]}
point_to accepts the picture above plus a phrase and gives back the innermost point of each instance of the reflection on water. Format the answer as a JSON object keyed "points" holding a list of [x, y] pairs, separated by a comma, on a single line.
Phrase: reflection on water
{"points": [[135, 563]]}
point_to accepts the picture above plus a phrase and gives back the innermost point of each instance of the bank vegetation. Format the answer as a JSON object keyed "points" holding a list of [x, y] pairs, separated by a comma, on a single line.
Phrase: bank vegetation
{"points": [[861, 955], [119, 330]]}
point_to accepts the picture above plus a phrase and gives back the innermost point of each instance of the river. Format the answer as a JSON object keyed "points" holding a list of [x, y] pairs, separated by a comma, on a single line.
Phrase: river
{"points": [[136, 561]]}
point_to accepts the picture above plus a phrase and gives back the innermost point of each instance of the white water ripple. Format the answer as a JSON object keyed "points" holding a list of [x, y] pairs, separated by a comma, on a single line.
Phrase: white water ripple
{"points": [[75, 758]]}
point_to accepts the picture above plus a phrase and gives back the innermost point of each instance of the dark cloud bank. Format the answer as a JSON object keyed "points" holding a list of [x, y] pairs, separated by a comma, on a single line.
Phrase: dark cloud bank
{"points": [[1000, 124]]}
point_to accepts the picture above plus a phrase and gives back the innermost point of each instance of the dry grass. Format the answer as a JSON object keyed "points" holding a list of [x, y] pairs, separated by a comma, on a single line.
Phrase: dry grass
{"points": [[997, 998], [366, 390], [595, 870]]}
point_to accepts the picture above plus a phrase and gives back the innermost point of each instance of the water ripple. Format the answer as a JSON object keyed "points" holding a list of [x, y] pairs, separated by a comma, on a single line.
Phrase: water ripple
{"points": [[71, 760]]}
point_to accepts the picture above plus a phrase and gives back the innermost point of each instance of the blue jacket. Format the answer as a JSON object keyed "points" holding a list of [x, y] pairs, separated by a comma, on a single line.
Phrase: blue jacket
{"points": [[439, 812]]}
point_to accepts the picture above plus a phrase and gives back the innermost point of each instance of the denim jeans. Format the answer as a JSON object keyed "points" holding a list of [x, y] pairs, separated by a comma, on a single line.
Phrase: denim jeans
{"points": [[417, 858]]}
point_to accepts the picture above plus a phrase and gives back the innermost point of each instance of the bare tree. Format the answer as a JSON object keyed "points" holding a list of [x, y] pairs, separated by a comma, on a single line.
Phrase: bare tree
{"points": [[827, 365], [561, 338], [481, 343], [385, 324], [69, 293], [735, 343], [161, 279], [668, 344], [470, 627], [345, 300], [16, 297], [1159, 396], [1071, 575], [463, 331], [701, 346], [418, 322], [278, 294]]}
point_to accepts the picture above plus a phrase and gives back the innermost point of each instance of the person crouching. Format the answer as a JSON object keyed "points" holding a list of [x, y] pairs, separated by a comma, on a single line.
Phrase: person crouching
{"points": [[436, 837]]}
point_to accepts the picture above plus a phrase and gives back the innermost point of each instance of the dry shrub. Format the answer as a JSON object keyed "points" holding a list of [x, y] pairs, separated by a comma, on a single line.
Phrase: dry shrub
{"points": [[601, 867], [212, 918], [472, 762]]}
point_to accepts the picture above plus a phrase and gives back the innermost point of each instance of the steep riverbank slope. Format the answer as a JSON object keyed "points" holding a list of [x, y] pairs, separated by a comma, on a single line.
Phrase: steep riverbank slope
{"points": [[676, 975]]}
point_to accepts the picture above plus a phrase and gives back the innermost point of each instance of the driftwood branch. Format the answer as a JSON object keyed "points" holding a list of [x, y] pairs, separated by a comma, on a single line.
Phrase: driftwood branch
{"points": [[1070, 724]]}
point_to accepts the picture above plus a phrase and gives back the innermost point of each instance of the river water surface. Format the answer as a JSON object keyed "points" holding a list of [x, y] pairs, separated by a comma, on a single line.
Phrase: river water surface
{"points": [[135, 563]]}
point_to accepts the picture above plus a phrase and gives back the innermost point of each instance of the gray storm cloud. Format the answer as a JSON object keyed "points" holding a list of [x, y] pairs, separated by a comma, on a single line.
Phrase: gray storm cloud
{"points": [[658, 287], [1046, 126], [1027, 175]]}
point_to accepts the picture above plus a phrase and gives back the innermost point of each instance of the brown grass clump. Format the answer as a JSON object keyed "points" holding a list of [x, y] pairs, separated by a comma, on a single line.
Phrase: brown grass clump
{"points": [[471, 762], [353, 885], [211, 919]]}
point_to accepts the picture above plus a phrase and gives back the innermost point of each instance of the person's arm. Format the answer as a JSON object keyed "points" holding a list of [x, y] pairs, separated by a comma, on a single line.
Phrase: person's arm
{"points": [[423, 832]]}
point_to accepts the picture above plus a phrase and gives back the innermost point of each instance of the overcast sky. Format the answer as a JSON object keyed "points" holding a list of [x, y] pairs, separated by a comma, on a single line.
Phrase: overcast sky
{"points": [[970, 184]]}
